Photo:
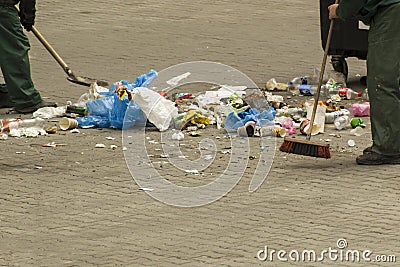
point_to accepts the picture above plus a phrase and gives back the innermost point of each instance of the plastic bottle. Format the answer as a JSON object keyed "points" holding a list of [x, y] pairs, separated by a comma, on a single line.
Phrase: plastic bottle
{"points": [[7, 125], [300, 80], [347, 93], [256, 99], [330, 117], [307, 90], [18, 124], [351, 94], [337, 90], [295, 83], [28, 127], [342, 122]]}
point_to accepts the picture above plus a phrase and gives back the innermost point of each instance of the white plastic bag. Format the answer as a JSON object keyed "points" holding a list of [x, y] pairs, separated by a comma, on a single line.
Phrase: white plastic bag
{"points": [[94, 93], [49, 112], [158, 110]]}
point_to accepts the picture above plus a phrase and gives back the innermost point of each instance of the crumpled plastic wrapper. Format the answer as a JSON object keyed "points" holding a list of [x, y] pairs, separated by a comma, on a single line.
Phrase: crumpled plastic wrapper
{"points": [[273, 85], [49, 112], [28, 132], [196, 117]]}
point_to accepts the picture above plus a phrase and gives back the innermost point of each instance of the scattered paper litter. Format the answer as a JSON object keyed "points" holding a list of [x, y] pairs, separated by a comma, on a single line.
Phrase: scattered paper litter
{"points": [[146, 189], [192, 171], [175, 80], [208, 157], [52, 144], [178, 136]]}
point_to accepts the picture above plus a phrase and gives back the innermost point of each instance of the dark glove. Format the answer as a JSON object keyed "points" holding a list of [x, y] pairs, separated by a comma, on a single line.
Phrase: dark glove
{"points": [[27, 13]]}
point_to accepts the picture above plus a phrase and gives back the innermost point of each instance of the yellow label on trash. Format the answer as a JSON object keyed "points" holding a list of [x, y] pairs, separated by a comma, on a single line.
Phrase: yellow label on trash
{"points": [[195, 117]]}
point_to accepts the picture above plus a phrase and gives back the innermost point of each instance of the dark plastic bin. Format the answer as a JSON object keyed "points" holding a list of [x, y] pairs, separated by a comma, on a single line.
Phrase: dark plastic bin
{"points": [[348, 39]]}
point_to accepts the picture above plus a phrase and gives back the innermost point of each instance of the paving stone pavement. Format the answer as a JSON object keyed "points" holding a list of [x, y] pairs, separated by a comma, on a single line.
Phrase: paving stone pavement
{"points": [[75, 205]]}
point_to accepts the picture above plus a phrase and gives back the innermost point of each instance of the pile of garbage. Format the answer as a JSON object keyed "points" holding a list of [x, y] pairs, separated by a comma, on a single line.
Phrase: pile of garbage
{"points": [[245, 111], [330, 110]]}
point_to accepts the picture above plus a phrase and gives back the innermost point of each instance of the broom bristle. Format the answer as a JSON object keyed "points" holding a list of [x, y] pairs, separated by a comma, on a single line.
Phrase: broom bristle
{"points": [[305, 148]]}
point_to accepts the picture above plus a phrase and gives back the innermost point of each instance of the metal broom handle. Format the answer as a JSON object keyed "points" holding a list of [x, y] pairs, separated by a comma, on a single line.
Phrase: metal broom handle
{"points": [[321, 75]]}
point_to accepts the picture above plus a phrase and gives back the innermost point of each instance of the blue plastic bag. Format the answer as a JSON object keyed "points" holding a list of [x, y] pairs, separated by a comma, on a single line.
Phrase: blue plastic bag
{"points": [[132, 115], [233, 121], [120, 114], [92, 121], [100, 107], [145, 80]]}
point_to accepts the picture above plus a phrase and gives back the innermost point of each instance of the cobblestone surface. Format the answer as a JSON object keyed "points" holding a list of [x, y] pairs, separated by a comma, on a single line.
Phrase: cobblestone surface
{"points": [[75, 205]]}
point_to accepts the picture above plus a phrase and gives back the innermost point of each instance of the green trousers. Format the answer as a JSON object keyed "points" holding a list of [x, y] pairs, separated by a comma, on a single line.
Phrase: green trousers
{"points": [[14, 60], [383, 66]]}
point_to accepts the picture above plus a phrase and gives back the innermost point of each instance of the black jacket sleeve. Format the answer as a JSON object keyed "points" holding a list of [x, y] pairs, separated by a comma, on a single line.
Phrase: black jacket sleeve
{"points": [[27, 13]]}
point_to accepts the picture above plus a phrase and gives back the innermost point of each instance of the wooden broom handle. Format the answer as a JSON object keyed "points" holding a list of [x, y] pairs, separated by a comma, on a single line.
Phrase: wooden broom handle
{"points": [[321, 76], [51, 50]]}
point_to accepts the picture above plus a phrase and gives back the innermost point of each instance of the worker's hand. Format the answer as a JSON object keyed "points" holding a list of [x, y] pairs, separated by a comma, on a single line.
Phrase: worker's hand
{"points": [[27, 13], [332, 11], [26, 23]]}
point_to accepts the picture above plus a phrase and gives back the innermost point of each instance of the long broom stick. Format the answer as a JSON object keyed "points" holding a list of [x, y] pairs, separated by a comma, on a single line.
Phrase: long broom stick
{"points": [[308, 147]]}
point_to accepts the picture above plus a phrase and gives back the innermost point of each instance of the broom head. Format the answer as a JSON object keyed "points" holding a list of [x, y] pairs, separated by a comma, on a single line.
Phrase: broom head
{"points": [[305, 148]]}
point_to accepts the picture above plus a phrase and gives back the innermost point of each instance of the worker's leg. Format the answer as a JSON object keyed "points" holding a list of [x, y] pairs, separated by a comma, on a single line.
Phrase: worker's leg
{"points": [[14, 60], [383, 65]]}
